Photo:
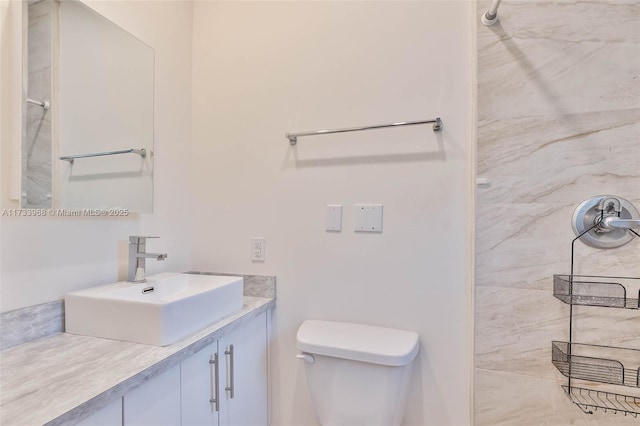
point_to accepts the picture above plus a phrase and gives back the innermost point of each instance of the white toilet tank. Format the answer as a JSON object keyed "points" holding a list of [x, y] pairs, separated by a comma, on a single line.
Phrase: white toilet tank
{"points": [[358, 375]]}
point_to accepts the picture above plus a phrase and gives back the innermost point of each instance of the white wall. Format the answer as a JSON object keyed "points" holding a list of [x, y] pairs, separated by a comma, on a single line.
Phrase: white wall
{"points": [[5, 83], [10, 94], [261, 69], [43, 258]]}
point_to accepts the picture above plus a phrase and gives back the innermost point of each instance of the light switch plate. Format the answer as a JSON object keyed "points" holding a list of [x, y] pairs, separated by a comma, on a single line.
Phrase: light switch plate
{"points": [[334, 218], [367, 217]]}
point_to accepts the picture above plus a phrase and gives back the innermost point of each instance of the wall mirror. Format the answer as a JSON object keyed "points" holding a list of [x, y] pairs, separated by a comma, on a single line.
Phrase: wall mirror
{"points": [[87, 111]]}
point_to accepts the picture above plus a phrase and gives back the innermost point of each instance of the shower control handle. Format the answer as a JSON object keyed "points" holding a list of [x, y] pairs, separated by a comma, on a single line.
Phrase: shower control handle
{"points": [[613, 222], [605, 221]]}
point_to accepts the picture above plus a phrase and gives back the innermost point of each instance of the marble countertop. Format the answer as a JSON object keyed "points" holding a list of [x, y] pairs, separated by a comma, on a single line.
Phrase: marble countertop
{"points": [[64, 378]]}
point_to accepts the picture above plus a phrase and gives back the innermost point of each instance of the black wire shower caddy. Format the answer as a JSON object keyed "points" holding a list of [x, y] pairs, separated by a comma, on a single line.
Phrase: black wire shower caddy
{"points": [[596, 365]]}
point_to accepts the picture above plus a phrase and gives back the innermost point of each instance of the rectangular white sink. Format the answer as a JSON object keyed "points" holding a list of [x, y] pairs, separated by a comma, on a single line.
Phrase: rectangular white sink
{"points": [[166, 308]]}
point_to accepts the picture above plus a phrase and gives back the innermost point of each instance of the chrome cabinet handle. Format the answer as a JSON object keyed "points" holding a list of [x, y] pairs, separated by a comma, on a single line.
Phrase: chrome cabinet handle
{"points": [[215, 390], [231, 386]]}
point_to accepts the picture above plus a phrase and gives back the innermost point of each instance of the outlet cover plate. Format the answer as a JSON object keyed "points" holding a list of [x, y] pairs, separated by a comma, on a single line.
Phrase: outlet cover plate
{"points": [[334, 218], [257, 249], [367, 217]]}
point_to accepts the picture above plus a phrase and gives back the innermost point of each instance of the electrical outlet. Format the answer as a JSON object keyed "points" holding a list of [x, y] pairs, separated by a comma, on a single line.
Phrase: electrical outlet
{"points": [[257, 248]]}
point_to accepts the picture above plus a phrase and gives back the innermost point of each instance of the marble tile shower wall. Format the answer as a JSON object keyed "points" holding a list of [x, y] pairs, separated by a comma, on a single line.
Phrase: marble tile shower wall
{"points": [[558, 121], [37, 148]]}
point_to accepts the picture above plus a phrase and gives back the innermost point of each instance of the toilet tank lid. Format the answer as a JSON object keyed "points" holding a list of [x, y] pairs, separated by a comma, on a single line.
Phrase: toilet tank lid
{"points": [[358, 342]]}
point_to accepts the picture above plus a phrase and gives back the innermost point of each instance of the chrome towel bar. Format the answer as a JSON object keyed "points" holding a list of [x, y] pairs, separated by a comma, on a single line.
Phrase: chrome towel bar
{"points": [[293, 137], [70, 158]]}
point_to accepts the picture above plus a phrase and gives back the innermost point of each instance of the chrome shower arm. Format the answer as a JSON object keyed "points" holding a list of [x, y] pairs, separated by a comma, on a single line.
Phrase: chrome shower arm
{"points": [[491, 16]]}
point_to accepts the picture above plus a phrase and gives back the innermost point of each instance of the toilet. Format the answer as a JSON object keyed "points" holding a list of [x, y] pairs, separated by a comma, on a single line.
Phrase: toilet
{"points": [[358, 375]]}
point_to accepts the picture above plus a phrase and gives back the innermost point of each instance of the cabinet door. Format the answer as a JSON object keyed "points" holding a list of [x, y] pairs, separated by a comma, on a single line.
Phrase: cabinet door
{"points": [[199, 387], [155, 403], [111, 415], [247, 406]]}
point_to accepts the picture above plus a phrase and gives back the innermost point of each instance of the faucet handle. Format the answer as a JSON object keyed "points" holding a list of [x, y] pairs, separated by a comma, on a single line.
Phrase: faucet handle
{"points": [[138, 239]]}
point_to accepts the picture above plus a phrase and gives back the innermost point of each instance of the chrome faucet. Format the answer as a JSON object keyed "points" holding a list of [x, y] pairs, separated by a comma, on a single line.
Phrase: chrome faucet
{"points": [[137, 256]]}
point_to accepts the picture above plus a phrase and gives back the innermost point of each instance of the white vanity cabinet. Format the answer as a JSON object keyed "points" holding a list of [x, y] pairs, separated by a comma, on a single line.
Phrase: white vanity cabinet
{"points": [[111, 415], [247, 404], [156, 402], [198, 385], [232, 392], [199, 392]]}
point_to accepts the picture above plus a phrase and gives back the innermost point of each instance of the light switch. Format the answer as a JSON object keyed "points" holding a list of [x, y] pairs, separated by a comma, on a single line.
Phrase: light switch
{"points": [[334, 217], [367, 217]]}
